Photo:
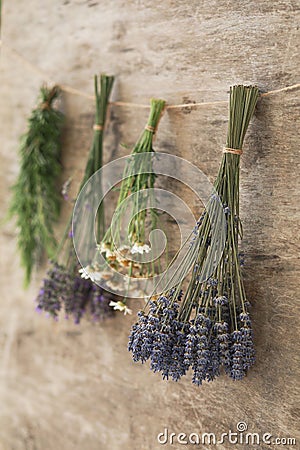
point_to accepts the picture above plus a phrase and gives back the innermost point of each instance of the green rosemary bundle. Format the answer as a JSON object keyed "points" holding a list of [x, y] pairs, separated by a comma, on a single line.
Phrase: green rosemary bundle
{"points": [[137, 181], [64, 287], [36, 200], [209, 325]]}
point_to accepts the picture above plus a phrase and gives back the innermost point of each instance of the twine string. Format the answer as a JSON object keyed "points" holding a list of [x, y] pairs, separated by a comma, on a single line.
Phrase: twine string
{"points": [[97, 127], [234, 151], [150, 128], [71, 90], [44, 105]]}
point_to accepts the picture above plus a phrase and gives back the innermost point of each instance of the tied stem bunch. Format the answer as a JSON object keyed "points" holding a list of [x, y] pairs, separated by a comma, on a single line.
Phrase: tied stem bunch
{"points": [[136, 190], [208, 326], [36, 200], [64, 288]]}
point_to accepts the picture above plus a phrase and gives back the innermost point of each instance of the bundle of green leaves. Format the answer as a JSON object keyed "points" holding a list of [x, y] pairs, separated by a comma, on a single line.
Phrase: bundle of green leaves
{"points": [[36, 200]]}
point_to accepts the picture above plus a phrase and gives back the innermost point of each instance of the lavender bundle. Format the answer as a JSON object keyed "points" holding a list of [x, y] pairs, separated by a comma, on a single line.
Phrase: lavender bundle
{"points": [[36, 200], [138, 178], [209, 326], [64, 288]]}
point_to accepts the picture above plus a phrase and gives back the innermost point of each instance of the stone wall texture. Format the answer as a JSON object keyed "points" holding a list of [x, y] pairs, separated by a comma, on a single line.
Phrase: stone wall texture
{"points": [[72, 387]]}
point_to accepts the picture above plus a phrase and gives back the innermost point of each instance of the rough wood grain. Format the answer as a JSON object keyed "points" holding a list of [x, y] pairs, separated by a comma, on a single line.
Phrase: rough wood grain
{"points": [[76, 388]]}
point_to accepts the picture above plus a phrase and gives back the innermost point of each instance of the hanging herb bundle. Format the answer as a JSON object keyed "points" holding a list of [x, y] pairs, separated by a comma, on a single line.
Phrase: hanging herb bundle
{"points": [[138, 178], [209, 326], [64, 288], [36, 200]]}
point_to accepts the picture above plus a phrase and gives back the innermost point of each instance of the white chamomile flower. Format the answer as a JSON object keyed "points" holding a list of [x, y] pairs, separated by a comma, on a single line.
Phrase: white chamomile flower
{"points": [[140, 248], [110, 254], [84, 272], [103, 247], [90, 272], [120, 306]]}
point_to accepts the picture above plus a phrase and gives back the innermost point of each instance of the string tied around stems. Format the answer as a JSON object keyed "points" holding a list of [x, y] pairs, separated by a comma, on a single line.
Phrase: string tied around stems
{"points": [[234, 151], [152, 124], [52, 94], [98, 127], [150, 128], [44, 105]]}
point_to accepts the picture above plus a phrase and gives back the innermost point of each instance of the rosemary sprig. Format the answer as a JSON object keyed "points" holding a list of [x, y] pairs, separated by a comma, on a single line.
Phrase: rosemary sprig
{"points": [[36, 200], [209, 325]]}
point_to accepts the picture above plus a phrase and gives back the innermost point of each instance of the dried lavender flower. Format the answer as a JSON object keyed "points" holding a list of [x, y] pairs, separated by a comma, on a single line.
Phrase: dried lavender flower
{"points": [[209, 326], [99, 304], [63, 288]]}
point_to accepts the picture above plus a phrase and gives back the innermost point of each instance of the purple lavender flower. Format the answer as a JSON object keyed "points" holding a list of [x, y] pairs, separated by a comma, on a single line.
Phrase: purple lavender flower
{"points": [[245, 317], [237, 356], [249, 352], [168, 354], [220, 301], [168, 342], [213, 368], [178, 367], [64, 289], [161, 354], [212, 282], [142, 336], [146, 331], [160, 337], [202, 343], [76, 299], [99, 304], [55, 286], [198, 351], [223, 337], [242, 352]]}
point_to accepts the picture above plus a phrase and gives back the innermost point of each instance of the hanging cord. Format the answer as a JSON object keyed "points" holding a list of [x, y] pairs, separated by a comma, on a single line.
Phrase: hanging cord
{"points": [[71, 90]]}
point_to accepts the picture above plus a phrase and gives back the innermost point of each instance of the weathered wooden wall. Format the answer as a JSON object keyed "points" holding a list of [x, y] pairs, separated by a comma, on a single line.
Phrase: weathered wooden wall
{"points": [[76, 388]]}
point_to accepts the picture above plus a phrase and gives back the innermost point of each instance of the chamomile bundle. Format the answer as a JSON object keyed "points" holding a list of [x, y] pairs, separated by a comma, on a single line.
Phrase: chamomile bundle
{"points": [[137, 182]]}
